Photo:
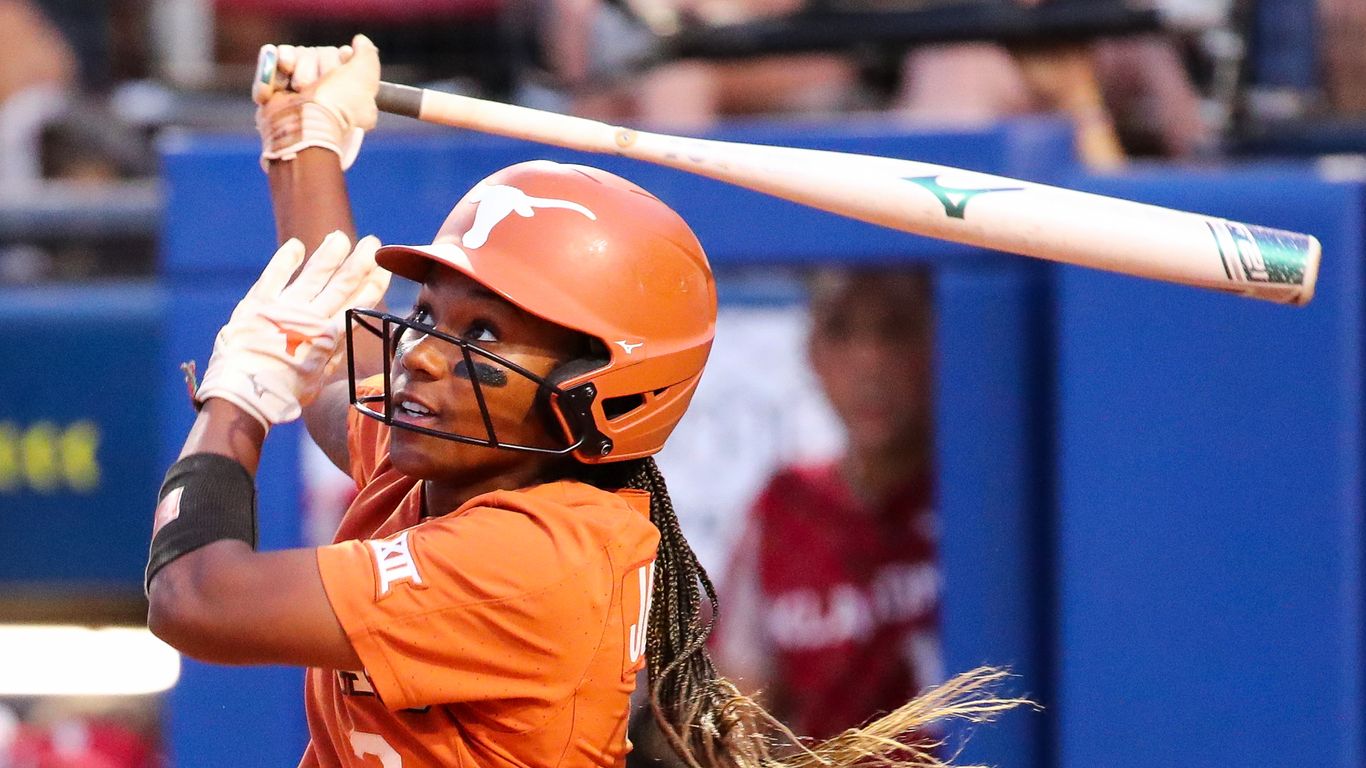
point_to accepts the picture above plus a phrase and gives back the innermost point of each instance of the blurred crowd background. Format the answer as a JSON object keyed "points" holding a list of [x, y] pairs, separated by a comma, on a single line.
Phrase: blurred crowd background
{"points": [[89, 87]]}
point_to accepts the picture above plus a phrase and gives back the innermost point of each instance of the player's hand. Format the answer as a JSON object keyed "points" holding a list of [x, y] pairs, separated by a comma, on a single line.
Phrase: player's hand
{"points": [[319, 97], [270, 358]]}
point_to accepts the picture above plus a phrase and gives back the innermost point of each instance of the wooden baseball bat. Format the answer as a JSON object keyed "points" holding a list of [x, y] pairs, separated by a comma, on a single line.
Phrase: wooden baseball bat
{"points": [[938, 201]]}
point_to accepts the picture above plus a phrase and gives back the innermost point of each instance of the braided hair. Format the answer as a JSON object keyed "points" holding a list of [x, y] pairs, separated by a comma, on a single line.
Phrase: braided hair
{"points": [[705, 718]]}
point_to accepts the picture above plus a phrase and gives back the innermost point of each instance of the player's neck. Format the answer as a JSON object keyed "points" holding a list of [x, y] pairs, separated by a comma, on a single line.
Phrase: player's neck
{"points": [[443, 497]]}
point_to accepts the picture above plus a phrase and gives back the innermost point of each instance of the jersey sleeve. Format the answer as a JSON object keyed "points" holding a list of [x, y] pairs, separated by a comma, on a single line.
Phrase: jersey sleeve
{"points": [[493, 604], [367, 439]]}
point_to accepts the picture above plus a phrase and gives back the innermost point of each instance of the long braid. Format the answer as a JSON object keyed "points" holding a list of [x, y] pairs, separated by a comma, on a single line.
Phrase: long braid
{"points": [[709, 723]]}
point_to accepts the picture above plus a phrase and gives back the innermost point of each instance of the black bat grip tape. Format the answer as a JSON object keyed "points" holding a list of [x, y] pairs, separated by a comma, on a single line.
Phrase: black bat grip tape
{"points": [[399, 99]]}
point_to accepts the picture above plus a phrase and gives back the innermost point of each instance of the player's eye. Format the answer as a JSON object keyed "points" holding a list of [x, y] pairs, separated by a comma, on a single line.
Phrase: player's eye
{"points": [[420, 315], [481, 330]]}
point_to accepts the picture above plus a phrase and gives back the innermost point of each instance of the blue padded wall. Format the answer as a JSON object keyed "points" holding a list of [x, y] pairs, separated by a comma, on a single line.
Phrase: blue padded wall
{"points": [[1209, 498], [78, 472]]}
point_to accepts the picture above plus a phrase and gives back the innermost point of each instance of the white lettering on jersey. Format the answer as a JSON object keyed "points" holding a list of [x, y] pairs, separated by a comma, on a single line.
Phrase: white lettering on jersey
{"points": [[635, 636], [373, 744], [355, 683], [394, 562], [499, 201]]}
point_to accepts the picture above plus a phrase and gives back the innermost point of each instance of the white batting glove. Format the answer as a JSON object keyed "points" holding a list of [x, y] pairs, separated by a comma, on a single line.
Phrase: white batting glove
{"points": [[270, 358], [319, 97]]}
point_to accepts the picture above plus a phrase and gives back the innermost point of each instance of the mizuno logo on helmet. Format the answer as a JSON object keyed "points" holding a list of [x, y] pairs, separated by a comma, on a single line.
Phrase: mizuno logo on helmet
{"points": [[499, 201]]}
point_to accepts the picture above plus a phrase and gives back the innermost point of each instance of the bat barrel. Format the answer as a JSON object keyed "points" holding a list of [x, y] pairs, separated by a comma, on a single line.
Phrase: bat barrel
{"points": [[937, 201]]}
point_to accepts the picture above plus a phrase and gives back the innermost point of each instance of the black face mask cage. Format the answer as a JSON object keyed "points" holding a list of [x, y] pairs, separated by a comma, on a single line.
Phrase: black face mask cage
{"points": [[574, 404]]}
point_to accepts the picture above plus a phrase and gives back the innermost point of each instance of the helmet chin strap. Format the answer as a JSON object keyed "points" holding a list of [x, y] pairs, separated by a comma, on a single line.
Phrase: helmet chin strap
{"points": [[576, 404]]}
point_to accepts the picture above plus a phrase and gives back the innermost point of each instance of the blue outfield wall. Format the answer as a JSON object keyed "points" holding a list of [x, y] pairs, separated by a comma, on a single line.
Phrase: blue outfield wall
{"points": [[1150, 495], [77, 439], [1210, 525]]}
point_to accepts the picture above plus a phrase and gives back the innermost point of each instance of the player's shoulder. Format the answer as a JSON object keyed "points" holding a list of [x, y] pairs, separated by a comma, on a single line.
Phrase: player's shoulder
{"points": [[571, 520], [573, 508], [593, 505]]}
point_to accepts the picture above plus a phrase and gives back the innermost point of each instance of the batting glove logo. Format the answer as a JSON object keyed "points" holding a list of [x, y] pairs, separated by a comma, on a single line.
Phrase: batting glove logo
{"points": [[294, 337], [251, 367]]}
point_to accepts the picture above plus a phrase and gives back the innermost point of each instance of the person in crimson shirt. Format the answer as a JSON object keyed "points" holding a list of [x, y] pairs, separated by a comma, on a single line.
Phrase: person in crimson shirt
{"points": [[831, 599]]}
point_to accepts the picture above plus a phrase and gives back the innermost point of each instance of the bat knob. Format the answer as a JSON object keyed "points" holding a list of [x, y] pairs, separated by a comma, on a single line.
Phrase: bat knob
{"points": [[267, 80]]}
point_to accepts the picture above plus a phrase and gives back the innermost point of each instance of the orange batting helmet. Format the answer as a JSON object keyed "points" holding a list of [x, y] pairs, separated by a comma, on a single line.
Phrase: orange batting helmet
{"points": [[592, 252]]}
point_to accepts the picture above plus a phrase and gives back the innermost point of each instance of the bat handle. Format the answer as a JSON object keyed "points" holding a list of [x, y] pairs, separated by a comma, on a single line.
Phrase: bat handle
{"points": [[267, 79], [396, 99], [399, 99], [503, 119]]}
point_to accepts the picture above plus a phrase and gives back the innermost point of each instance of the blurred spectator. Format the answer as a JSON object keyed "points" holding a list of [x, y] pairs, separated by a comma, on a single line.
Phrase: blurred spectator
{"points": [[973, 83], [34, 54], [9, 731], [81, 732], [1149, 93], [597, 49], [1344, 54], [423, 40], [830, 607], [1137, 86], [1283, 52], [37, 71], [88, 28]]}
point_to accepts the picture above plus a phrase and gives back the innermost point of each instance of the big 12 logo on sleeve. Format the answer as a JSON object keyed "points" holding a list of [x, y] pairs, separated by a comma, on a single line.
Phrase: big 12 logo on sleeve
{"points": [[636, 590]]}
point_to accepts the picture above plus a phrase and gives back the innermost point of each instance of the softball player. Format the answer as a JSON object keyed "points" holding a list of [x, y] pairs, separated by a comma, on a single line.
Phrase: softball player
{"points": [[512, 553]]}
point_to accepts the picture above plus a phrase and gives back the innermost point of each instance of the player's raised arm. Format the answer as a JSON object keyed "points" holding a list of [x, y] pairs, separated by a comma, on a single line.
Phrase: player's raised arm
{"points": [[312, 118], [211, 594]]}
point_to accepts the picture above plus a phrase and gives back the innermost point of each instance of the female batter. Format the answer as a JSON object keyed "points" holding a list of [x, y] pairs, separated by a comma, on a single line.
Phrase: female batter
{"points": [[512, 558]]}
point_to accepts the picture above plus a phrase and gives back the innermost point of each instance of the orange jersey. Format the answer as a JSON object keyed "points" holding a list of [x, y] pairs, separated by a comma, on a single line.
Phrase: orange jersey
{"points": [[506, 633]]}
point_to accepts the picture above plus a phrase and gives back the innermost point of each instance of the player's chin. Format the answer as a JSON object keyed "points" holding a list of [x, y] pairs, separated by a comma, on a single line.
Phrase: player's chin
{"points": [[419, 455], [429, 457]]}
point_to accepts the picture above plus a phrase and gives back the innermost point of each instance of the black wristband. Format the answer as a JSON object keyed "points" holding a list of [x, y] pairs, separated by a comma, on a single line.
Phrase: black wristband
{"points": [[204, 498]]}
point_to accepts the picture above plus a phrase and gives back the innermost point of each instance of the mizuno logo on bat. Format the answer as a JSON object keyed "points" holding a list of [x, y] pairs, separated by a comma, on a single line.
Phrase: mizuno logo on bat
{"points": [[499, 201], [955, 200]]}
